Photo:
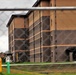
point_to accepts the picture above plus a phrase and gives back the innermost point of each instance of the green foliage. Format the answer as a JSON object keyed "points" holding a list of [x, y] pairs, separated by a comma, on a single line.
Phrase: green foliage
{"points": [[1, 73]]}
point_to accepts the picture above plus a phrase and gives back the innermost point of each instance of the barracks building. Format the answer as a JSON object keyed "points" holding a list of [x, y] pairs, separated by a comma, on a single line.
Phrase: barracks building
{"points": [[44, 36]]}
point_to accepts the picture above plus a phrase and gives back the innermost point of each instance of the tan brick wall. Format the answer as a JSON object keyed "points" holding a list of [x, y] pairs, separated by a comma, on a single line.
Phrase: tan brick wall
{"points": [[26, 23], [44, 4], [11, 27], [66, 2], [30, 19], [52, 20], [36, 15], [65, 20], [19, 23]]}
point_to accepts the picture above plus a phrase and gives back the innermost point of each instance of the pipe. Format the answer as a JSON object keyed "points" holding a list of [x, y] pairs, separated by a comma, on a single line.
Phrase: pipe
{"points": [[38, 8]]}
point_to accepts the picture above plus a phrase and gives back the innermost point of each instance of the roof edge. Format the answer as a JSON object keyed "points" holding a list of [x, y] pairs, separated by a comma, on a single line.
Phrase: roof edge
{"points": [[14, 16], [26, 15]]}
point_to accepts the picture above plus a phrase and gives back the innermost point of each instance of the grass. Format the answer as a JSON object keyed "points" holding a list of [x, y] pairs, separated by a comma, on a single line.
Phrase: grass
{"points": [[8, 74], [20, 72], [17, 74], [62, 74], [67, 68], [40, 74]]}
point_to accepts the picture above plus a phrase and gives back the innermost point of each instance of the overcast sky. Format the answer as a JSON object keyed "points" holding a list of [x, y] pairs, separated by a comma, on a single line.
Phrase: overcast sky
{"points": [[4, 17]]}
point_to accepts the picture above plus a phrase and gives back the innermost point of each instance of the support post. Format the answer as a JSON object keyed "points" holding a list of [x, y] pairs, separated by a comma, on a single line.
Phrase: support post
{"points": [[0, 65], [8, 67], [8, 64], [71, 56]]}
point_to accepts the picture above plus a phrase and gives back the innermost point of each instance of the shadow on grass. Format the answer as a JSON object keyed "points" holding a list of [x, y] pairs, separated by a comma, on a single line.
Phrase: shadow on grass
{"points": [[1, 73]]}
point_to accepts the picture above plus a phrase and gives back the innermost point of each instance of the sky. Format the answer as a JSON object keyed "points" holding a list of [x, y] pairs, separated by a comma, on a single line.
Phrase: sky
{"points": [[5, 16]]}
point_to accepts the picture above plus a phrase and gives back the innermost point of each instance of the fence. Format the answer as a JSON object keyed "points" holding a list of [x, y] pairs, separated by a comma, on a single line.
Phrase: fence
{"points": [[44, 39]]}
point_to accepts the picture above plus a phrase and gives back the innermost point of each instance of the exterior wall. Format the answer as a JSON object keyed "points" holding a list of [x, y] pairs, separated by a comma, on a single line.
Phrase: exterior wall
{"points": [[18, 33], [19, 23], [38, 30], [19, 37], [49, 33], [62, 29], [45, 32], [11, 36], [27, 39], [31, 39], [37, 33]]}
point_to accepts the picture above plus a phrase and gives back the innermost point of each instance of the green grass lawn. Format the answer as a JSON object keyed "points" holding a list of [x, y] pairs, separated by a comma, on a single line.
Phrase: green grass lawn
{"points": [[48, 69], [20, 72], [8, 74], [40, 74], [62, 74]]}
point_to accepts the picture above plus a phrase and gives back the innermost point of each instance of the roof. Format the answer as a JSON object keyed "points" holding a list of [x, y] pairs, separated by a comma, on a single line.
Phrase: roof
{"points": [[14, 16], [27, 14], [35, 5]]}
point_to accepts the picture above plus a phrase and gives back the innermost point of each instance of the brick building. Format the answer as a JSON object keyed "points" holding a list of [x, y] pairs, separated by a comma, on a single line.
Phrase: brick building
{"points": [[18, 37], [44, 36]]}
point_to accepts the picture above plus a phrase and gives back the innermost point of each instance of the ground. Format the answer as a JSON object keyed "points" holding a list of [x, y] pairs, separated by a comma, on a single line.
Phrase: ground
{"points": [[42, 69]]}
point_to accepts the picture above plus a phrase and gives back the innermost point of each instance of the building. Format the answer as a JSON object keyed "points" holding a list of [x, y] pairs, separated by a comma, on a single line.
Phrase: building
{"points": [[44, 36], [18, 36]]}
